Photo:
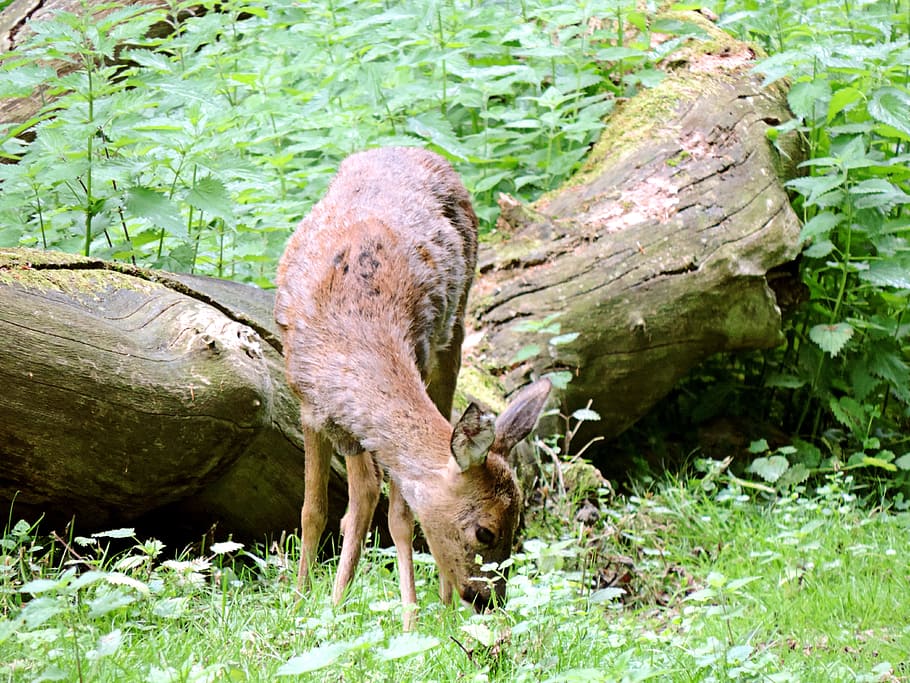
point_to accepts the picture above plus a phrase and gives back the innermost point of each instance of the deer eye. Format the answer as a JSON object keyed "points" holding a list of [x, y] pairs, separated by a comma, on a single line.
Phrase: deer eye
{"points": [[484, 535]]}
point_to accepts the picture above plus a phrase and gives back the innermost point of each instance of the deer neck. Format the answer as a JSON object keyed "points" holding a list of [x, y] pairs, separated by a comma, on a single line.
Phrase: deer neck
{"points": [[393, 417]]}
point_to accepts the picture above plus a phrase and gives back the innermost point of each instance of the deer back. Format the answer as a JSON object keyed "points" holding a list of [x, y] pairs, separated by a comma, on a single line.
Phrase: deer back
{"points": [[371, 285]]}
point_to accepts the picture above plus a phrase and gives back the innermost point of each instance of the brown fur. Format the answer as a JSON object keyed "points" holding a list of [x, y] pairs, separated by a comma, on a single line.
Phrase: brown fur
{"points": [[371, 297]]}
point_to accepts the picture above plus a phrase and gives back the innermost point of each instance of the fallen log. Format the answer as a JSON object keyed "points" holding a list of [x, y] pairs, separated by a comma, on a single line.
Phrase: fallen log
{"points": [[129, 392], [664, 249]]}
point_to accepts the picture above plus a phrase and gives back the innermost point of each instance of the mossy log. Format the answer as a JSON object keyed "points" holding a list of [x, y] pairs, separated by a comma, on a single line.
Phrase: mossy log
{"points": [[137, 396], [132, 395], [674, 242]]}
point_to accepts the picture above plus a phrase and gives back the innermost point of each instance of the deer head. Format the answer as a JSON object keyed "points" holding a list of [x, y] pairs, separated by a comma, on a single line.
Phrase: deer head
{"points": [[472, 517]]}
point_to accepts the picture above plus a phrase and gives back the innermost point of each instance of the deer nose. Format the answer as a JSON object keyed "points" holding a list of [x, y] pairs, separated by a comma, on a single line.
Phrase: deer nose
{"points": [[485, 599], [480, 600]]}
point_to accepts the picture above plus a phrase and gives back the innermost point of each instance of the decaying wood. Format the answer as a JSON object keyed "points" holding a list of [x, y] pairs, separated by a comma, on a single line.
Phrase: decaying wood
{"points": [[658, 252], [127, 392]]}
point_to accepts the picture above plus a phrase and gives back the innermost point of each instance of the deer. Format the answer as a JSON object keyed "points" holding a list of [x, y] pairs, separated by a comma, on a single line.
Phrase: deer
{"points": [[371, 297]]}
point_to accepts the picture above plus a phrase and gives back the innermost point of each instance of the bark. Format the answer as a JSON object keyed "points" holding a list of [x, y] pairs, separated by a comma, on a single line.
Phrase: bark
{"points": [[132, 394]]}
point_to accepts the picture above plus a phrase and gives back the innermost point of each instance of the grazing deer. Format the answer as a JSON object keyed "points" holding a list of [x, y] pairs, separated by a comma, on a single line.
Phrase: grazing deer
{"points": [[371, 298]]}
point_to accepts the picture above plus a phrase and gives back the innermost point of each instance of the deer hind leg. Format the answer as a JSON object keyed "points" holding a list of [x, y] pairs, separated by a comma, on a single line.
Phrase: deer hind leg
{"points": [[363, 494], [317, 465], [447, 363], [401, 526]]}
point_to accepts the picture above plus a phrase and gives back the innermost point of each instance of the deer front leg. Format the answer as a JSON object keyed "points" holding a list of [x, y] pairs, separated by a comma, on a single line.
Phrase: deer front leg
{"points": [[401, 526], [363, 494], [317, 463]]}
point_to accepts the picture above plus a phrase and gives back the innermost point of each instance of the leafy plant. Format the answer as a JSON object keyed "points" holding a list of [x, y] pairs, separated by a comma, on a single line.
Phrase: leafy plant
{"points": [[842, 380], [714, 583], [198, 151]]}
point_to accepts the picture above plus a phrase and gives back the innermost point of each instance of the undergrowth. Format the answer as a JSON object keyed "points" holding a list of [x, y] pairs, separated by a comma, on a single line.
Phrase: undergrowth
{"points": [[834, 396], [200, 150], [697, 581]]}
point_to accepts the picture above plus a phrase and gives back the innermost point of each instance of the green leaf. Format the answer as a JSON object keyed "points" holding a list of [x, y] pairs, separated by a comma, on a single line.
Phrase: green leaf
{"points": [[481, 633], [739, 654], [438, 130], [313, 660], [489, 182], [890, 366], [831, 338], [39, 586], [615, 53], [161, 212], [109, 644], [560, 380], [119, 579], [87, 579], [784, 381], [820, 225], [850, 413], [871, 461], [526, 352], [878, 192], [797, 474], [8, 627], [51, 672], [535, 325], [564, 338], [170, 608], [703, 595], [759, 446], [809, 99], [814, 187], [606, 595], [889, 273], [407, 645], [903, 462], [109, 601], [769, 468], [39, 610], [736, 584], [842, 99], [891, 106], [211, 196], [677, 27], [225, 547], [853, 154], [126, 532], [819, 249]]}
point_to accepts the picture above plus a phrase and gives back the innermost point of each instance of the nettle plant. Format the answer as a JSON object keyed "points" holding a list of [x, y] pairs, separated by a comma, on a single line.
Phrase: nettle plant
{"points": [[200, 150], [846, 362]]}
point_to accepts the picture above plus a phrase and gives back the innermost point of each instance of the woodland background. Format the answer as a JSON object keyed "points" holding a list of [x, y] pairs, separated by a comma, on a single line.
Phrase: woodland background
{"points": [[776, 549]]}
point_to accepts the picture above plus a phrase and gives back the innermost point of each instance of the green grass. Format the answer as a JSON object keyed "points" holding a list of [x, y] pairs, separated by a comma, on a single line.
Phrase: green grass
{"points": [[720, 587]]}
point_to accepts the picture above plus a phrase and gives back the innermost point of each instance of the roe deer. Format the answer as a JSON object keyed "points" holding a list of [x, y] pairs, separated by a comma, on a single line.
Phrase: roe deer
{"points": [[371, 298]]}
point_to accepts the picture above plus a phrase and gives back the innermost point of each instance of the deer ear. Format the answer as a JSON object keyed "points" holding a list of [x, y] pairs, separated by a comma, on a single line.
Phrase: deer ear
{"points": [[472, 437], [519, 418]]}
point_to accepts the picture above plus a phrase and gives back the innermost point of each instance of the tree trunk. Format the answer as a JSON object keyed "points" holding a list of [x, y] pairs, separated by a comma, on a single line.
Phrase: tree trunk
{"points": [[136, 395]]}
